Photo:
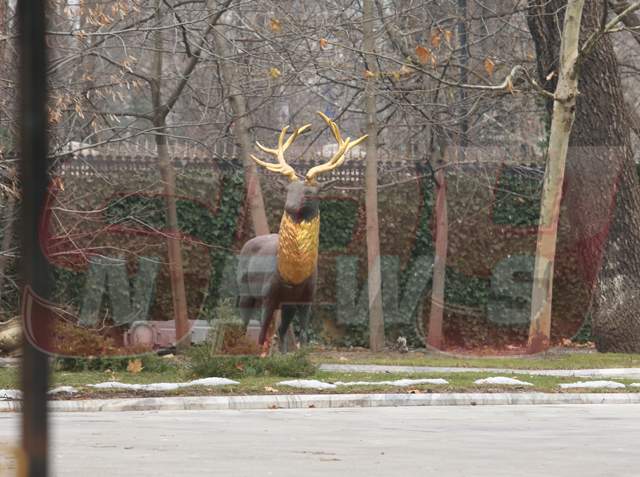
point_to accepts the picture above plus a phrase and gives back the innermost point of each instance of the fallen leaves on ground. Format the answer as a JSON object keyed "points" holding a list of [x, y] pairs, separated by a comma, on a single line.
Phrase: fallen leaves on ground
{"points": [[134, 366]]}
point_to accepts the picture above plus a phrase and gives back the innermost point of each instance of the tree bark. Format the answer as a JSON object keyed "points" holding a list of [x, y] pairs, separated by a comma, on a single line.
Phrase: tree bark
{"points": [[631, 20], [463, 39], [434, 337], [241, 127], [3, 29], [601, 191], [183, 336], [564, 111], [7, 238], [376, 318]]}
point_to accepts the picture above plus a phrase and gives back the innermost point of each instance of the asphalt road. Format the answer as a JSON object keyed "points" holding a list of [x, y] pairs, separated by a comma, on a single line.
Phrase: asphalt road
{"points": [[486, 441]]}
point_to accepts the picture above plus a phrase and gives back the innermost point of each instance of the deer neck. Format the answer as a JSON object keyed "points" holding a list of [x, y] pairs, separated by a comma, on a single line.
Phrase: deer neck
{"points": [[298, 248]]}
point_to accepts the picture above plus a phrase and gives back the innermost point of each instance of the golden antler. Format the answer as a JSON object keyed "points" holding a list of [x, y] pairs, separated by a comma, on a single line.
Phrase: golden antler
{"points": [[282, 167], [339, 157]]}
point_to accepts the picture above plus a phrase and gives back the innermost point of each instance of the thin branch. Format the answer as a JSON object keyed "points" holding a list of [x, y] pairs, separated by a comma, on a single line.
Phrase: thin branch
{"points": [[591, 42]]}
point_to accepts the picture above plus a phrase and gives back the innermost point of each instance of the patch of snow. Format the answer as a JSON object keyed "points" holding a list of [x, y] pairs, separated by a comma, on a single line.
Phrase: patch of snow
{"points": [[63, 389], [115, 385], [593, 384], [315, 384], [10, 394], [163, 386], [158, 386], [502, 380], [398, 382], [212, 382], [15, 394], [307, 384], [635, 385]]}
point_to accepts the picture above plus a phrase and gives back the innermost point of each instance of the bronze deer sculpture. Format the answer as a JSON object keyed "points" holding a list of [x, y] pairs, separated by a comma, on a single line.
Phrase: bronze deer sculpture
{"points": [[278, 271]]}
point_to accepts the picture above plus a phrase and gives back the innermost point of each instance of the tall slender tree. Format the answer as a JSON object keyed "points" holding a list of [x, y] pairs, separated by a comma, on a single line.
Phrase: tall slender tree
{"points": [[564, 111], [168, 175], [601, 190], [376, 318], [241, 126]]}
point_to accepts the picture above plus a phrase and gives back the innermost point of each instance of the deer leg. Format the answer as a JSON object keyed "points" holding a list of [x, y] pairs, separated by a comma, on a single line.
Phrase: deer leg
{"points": [[268, 309], [288, 314], [246, 306], [304, 312]]}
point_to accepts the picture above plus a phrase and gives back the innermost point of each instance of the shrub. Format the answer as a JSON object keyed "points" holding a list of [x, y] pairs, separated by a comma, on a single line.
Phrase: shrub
{"points": [[150, 362], [97, 352], [204, 363]]}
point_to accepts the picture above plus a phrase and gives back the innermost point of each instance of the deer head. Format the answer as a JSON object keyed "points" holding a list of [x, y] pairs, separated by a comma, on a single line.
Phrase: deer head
{"points": [[302, 196]]}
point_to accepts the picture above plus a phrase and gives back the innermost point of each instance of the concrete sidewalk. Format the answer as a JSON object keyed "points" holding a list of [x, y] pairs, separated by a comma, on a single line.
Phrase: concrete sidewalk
{"points": [[491, 441], [629, 373]]}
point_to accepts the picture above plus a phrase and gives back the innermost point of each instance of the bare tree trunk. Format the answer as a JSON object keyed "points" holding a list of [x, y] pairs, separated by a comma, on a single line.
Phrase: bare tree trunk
{"points": [[631, 20], [183, 337], [463, 39], [376, 318], [563, 117], [434, 337], [6, 240], [241, 127], [4, 60], [3, 28], [88, 73], [601, 191]]}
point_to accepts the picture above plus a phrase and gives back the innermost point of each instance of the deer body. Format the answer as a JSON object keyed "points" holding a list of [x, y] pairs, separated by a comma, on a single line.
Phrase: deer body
{"points": [[278, 271]]}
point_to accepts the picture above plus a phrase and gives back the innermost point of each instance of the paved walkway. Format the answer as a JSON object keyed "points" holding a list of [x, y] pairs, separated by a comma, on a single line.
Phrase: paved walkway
{"points": [[630, 373], [523, 441]]}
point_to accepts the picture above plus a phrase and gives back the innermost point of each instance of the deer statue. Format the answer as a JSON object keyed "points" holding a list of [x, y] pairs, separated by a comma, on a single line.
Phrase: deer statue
{"points": [[278, 271]]}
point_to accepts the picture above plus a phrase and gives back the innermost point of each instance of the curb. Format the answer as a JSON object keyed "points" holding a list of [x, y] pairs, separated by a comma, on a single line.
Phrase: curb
{"points": [[9, 362], [326, 401], [630, 373]]}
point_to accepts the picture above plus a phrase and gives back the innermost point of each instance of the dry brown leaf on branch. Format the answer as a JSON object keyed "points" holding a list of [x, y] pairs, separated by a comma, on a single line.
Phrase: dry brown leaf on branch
{"points": [[78, 109], [276, 25], [510, 88], [275, 72], [423, 54], [58, 183], [323, 43], [369, 74], [134, 366], [436, 38], [406, 70], [448, 36], [55, 116], [489, 66]]}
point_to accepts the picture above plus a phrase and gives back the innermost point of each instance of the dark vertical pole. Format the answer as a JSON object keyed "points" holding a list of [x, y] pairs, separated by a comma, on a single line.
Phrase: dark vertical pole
{"points": [[33, 181]]}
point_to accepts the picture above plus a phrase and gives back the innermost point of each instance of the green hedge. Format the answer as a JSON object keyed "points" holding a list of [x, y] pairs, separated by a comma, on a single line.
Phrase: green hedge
{"points": [[220, 226]]}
